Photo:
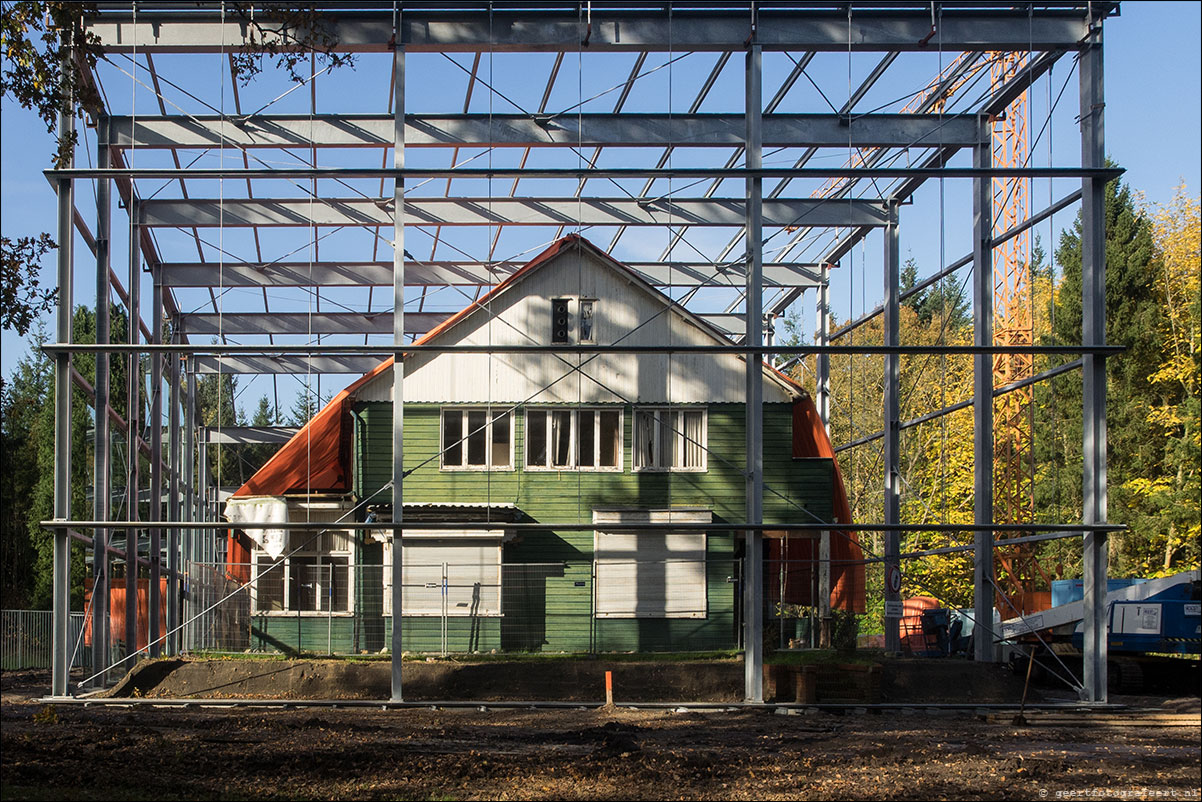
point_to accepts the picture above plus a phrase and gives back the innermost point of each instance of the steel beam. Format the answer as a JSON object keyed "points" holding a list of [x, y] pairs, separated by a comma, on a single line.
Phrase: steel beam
{"points": [[753, 555], [891, 414], [630, 30], [246, 435], [464, 273], [530, 131], [982, 300], [284, 365], [484, 211], [1093, 371], [241, 323]]}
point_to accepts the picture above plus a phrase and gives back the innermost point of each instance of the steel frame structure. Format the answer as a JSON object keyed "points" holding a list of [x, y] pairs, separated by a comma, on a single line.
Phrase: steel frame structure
{"points": [[576, 192]]}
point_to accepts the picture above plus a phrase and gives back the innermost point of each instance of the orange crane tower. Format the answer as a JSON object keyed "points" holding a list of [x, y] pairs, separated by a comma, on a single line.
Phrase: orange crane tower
{"points": [[1014, 467]]}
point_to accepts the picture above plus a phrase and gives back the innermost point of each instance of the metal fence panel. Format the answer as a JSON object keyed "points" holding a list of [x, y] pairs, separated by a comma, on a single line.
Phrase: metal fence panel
{"points": [[25, 639]]}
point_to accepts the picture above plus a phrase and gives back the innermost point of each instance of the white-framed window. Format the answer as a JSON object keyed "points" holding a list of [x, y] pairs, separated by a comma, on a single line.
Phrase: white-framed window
{"points": [[445, 572], [477, 439], [574, 439], [588, 319], [312, 576], [655, 573], [670, 439]]}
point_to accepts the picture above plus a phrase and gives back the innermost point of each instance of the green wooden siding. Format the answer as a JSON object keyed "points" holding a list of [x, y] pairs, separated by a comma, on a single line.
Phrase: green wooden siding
{"points": [[547, 582]]}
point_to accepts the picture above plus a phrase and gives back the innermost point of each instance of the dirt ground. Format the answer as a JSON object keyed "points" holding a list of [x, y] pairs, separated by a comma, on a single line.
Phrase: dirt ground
{"points": [[72, 752]]}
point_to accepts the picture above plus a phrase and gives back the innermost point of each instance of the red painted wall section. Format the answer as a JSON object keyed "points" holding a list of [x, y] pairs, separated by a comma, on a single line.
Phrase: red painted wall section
{"points": [[847, 559]]}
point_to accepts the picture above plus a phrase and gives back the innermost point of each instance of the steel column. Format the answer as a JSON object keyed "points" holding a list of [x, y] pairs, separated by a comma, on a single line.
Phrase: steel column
{"points": [[174, 457], [891, 413], [823, 316], [155, 430], [103, 451], [824, 588], [61, 582], [132, 415], [398, 367], [1093, 372], [753, 560], [982, 300], [190, 466]]}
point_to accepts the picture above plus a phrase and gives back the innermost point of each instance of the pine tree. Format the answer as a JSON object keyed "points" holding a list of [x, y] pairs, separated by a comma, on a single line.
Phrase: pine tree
{"points": [[1134, 315]]}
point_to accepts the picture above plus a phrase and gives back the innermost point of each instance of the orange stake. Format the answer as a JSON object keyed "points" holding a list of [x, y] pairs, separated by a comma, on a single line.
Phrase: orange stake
{"points": [[609, 687]]}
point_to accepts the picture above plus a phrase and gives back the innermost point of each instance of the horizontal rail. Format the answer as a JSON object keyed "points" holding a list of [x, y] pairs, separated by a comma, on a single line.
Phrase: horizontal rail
{"points": [[997, 393], [542, 130], [376, 173], [217, 349], [662, 27], [574, 526], [963, 261]]}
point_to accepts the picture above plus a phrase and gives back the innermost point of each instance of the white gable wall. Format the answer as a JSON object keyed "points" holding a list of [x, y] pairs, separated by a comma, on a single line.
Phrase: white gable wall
{"points": [[626, 313]]}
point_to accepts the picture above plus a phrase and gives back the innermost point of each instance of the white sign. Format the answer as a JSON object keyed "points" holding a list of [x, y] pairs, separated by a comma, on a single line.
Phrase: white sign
{"points": [[894, 609], [1136, 619], [1193, 609]]}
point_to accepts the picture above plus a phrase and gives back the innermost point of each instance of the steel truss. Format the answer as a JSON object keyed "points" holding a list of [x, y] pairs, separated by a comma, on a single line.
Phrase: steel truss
{"points": [[273, 157]]}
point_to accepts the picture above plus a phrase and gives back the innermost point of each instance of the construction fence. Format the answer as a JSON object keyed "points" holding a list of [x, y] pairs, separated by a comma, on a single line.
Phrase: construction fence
{"points": [[26, 640]]}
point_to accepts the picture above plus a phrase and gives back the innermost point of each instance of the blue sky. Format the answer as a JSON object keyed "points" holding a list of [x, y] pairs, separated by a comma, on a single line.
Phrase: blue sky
{"points": [[1152, 130]]}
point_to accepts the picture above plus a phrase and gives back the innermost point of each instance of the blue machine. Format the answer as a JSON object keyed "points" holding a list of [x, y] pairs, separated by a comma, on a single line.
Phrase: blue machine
{"points": [[1168, 622]]}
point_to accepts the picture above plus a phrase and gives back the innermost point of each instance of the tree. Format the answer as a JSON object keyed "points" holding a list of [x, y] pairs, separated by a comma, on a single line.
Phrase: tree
{"points": [[257, 455], [216, 402], [944, 300], [1138, 445], [1174, 494]]}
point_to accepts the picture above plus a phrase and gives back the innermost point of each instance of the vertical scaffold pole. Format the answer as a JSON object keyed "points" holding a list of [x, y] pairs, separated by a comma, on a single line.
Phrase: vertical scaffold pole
{"points": [[1093, 373], [398, 339], [982, 300], [753, 562], [61, 580], [103, 451], [892, 417]]}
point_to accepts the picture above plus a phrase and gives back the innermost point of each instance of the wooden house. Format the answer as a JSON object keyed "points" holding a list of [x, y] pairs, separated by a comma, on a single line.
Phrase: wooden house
{"points": [[592, 442]]}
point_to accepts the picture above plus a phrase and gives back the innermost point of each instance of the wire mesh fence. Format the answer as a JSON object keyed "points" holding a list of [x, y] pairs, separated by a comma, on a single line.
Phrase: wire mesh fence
{"points": [[328, 605], [26, 639]]}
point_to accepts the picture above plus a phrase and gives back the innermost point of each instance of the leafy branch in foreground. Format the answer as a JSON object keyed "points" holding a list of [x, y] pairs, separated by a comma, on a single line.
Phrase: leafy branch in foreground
{"points": [[288, 33], [22, 298]]}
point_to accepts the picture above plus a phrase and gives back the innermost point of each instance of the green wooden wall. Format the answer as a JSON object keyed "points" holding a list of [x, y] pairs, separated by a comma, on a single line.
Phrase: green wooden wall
{"points": [[547, 591]]}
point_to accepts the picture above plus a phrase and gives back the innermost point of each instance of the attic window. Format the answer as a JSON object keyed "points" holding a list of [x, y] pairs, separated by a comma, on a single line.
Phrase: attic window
{"points": [[587, 309], [560, 320]]}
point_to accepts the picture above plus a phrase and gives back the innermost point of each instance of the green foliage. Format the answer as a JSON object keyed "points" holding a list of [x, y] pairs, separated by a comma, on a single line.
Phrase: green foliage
{"points": [[290, 34], [22, 298], [29, 467], [945, 300], [1144, 459]]}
